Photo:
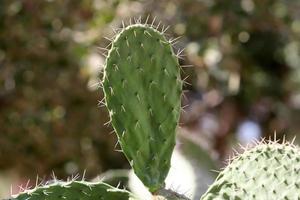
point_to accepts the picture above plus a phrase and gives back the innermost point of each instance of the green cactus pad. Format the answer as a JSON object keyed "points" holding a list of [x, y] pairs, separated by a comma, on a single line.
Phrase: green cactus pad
{"points": [[142, 89], [268, 171], [75, 190]]}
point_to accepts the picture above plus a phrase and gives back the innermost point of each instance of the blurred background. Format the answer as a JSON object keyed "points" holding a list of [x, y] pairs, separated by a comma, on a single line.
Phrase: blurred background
{"points": [[244, 84]]}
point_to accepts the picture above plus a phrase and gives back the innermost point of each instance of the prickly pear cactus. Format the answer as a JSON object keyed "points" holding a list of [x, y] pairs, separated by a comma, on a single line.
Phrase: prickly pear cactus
{"points": [[268, 171], [142, 89], [78, 190]]}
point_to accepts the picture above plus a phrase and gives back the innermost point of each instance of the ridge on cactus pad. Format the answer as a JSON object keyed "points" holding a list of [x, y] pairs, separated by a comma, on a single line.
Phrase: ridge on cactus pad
{"points": [[142, 89], [74, 190], [268, 171]]}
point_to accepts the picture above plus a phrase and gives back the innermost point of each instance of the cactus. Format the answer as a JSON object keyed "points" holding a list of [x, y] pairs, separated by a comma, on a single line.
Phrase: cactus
{"points": [[74, 190], [268, 171], [142, 89]]}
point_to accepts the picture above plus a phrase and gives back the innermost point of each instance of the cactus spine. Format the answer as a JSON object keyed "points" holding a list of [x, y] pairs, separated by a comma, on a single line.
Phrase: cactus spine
{"points": [[142, 89]]}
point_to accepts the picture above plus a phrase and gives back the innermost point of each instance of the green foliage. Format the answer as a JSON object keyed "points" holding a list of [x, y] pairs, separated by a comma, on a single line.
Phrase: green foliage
{"points": [[79, 190], [142, 90], [268, 171]]}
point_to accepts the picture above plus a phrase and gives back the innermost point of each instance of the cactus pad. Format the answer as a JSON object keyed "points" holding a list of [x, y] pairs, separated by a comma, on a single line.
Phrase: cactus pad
{"points": [[75, 190], [268, 171], [142, 89]]}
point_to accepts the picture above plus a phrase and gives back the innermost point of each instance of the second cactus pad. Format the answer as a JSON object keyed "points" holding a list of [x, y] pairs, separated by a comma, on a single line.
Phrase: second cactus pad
{"points": [[74, 190], [268, 171], [142, 89]]}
